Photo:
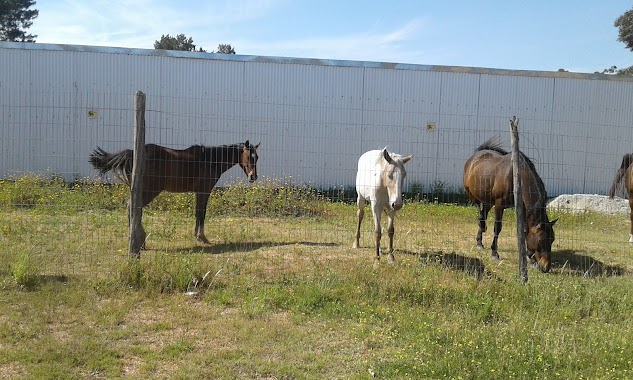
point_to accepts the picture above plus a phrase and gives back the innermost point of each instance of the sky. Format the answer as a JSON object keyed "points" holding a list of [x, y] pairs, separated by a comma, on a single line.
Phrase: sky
{"points": [[547, 35]]}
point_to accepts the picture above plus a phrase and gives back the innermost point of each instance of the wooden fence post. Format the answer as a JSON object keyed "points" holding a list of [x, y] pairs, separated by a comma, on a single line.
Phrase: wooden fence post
{"points": [[518, 201], [135, 208]]}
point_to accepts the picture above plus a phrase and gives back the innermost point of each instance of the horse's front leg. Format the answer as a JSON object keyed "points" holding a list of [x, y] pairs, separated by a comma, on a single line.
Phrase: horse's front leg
{"points": [[359, 214], [391, 230], [201, 212], [483, 210], [498, 225], [377, 213]]}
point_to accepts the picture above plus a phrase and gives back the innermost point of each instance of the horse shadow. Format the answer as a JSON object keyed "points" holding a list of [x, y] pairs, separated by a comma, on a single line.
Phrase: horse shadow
{"points": [[241, 247], [570, 262], [471, 266]]}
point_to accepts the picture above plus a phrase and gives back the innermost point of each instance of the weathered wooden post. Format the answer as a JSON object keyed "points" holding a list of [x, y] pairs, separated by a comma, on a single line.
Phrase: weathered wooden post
{"points": [[518, 201], [137, 234]]}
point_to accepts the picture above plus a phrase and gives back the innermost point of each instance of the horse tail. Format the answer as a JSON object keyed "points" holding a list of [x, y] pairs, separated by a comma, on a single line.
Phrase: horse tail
{"points": [[120, 163], [494, 144], [617, 181]]}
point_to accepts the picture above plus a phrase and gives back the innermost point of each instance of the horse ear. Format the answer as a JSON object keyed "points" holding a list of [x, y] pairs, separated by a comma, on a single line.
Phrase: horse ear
{"points": [[386, 156], [247, 144], [256, 146], [554, 221], [406, 159]]}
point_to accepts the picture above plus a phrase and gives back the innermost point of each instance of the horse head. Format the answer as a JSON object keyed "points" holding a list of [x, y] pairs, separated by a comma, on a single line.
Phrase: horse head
{"points": [[248, 160], [539, 241], [393, 176]]}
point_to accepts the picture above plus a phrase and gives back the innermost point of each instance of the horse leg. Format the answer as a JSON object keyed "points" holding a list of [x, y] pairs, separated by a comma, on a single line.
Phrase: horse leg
{"points": [[360, 213], [391, 230], [484, 209], [201, 212], [377, 213], [498, 225]]}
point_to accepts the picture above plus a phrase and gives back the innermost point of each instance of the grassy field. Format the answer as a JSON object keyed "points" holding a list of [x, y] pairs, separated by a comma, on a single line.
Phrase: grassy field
{"points": [[279, 294]]}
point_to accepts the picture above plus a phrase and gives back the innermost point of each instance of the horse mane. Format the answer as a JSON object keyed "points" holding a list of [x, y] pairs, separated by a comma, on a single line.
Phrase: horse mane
{"points": [[494, 144], [220, 153]]}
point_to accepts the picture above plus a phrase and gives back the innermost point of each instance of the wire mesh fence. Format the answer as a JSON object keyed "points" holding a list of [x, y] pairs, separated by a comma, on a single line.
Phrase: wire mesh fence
{"points": [[302, 206]]}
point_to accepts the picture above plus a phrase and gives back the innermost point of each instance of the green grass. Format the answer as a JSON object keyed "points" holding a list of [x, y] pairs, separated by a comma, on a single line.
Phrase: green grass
{"points": [[280, 294]]}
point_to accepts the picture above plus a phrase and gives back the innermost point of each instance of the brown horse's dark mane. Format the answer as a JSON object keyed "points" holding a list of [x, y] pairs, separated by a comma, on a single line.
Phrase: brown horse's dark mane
{"points": [[537, 211], [216, 154]]}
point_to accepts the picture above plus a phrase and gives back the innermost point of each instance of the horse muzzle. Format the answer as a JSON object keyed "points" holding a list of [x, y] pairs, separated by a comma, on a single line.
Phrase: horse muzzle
{"points": [[396, 206], [543, 262], [252, 178]]}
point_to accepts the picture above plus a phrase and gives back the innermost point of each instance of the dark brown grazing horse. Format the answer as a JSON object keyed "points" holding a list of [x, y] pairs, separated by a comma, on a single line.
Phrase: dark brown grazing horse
{"points": [[195, 169], [625, 173], [488, 182]]}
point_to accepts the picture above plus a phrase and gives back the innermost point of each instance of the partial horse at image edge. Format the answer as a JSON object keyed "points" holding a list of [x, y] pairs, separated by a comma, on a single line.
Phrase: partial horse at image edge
{"points": [[488, 181], [379, 181], [623, 181], [195, 169]]}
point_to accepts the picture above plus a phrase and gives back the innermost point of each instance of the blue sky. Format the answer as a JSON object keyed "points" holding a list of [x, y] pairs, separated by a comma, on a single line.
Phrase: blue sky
{"points": [[548, 35]]}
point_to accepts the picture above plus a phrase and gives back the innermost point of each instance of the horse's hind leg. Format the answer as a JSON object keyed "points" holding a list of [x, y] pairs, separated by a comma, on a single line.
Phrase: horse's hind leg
{"points": [[498, 225], [146, 198], [483, 215], [201, 212], [359, 214]]}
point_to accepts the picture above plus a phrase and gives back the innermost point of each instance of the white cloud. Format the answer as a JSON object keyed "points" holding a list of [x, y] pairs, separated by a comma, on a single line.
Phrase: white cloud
{"points": [[389, 46], [137, 23]]}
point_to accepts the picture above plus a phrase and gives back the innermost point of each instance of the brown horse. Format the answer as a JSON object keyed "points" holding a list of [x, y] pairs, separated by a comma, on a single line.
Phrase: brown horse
{"points": [[195, 169], [625, 173], [488, 182]]}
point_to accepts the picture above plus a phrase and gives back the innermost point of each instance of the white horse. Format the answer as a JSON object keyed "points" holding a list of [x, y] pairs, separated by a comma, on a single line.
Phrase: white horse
{"points": [[379, 181]]}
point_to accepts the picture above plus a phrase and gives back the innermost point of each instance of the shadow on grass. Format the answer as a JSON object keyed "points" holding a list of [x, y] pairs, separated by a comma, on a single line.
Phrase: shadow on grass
{"points": [[469, 265], [570, 262], [215, 249]]}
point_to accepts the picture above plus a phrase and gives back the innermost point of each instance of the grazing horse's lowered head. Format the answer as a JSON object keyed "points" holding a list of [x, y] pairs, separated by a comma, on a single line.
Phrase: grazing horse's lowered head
{"points": [[539, 240], [379, 181]]}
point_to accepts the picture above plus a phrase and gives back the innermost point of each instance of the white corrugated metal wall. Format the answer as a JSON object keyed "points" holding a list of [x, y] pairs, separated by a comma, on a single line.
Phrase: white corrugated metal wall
{"points": [[313, 117]]}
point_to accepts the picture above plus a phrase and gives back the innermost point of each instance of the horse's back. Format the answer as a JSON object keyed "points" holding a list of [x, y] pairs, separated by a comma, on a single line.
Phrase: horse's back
{"points": [[487, 176]]}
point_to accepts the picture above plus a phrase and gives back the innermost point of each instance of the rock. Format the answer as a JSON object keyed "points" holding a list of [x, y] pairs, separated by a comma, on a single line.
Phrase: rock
{"points": [[579, 203]]}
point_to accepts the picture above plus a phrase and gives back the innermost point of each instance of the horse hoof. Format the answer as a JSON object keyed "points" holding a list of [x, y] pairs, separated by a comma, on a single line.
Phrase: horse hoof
{"points": [[355, 245], [376, 263], [392, 260], [495, 257], [480, 247], [203, 240]]}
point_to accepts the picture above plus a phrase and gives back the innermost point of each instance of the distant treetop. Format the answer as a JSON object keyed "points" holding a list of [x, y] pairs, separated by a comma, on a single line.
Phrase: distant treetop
{"points": [[15, 18]]}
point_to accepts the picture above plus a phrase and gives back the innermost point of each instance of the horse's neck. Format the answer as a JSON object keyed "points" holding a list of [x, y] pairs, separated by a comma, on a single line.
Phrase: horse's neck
{"points": [[225, 156], [534, 197]]}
